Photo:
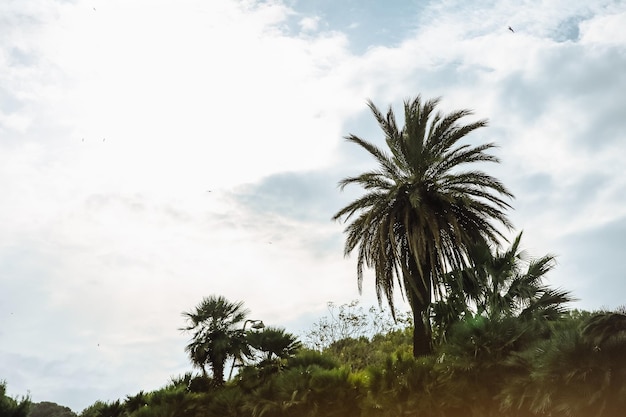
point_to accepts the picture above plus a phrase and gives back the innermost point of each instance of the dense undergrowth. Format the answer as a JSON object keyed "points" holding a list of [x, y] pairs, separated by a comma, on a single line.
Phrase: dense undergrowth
{"points": [[509, 366]]}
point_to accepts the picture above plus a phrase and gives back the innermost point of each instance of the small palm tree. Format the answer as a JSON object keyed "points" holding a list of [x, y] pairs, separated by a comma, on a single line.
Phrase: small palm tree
{"points": [[217, 334], [274, 343], [422, 211], [604, 326], [568, 374], [274, 347], [508, 283], [499, 285]]}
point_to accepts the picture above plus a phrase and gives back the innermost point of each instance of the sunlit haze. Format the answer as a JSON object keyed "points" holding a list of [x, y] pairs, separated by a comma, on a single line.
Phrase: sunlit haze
{"points": [[156, 152]]}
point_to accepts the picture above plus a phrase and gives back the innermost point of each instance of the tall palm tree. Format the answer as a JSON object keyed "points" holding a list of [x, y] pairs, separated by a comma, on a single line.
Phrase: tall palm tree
{"points": [[217, 334], [422, 211]]}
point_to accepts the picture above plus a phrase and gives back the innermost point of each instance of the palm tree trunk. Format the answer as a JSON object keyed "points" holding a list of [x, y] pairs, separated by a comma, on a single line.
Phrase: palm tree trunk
{"points": [[421, 333], [419, 296], [218, 371]]}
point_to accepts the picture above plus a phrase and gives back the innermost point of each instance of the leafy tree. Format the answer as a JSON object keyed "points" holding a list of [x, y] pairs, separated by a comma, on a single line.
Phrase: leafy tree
{"points": [[363, 353], [112, 409], [217, 334], [10, 407], [422, 211], [50, 409], [94, 410], [135, 402], [352, 321]]}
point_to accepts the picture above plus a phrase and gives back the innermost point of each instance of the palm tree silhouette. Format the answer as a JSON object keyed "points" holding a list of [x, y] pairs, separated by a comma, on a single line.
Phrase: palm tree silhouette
{"points": [[217, 334], [421, 211]]}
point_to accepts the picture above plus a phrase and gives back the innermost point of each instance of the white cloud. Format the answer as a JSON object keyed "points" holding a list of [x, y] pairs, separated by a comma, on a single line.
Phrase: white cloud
{"points": [[606, 29], [309, 24]]}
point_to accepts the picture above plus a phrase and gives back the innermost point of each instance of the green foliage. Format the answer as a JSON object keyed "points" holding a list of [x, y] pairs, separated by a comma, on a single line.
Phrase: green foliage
{"points": [[497, 285], [50, 409], [498, 366], [175, 399], [351, 321], [308, 391], [135, 402], [307, 357], [200, 383], [11, 407], [112, 409], [473, 365], [227, 402], [572, 373], [362, 353], [401, 387], [368, 336], [94, 410], [601, 328], [274, 342]]}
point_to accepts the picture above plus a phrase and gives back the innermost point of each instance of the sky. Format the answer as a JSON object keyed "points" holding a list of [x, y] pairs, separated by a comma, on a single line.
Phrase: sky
{"points": [[155, 152]]}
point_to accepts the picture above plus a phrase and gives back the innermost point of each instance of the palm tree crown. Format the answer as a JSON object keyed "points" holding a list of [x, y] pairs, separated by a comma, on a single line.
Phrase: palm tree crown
{"points": [[421, 211], [274, 342], [217, 334]]}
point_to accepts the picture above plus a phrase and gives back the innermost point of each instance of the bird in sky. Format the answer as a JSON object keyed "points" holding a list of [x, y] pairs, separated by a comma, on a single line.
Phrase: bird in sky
{"points": [[511, 29]]}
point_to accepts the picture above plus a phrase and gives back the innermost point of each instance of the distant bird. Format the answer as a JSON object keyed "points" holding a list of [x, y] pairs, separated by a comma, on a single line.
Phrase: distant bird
{"points": [[511, 29]]}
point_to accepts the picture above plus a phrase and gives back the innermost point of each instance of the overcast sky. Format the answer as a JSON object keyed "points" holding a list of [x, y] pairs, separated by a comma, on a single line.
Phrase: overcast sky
{"points": [[154, 152]]}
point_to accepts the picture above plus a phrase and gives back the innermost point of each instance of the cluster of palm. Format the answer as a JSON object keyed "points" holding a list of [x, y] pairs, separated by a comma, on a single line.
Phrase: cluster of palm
{"points": [[511, 367], [499, 285], [430, 225], [219, 334]]}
